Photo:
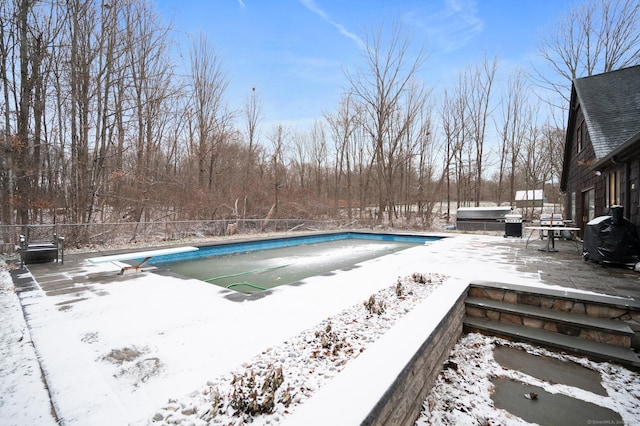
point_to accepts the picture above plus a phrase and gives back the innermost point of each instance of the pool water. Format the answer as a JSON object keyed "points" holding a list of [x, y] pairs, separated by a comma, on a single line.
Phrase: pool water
{"points": [[255, 271]]}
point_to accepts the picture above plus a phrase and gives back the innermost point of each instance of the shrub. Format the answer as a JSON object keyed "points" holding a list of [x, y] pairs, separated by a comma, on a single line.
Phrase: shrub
{"points": [[257, 395], [374, 307]]}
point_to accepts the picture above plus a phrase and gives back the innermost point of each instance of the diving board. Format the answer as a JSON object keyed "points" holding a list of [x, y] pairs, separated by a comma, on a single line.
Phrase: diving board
{"points": [[144, 255]]}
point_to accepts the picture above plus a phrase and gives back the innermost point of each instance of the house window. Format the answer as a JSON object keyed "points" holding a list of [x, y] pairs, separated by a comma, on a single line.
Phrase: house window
{"points": [[588, 205], [612, 188], [572, 207], [580, 136]]}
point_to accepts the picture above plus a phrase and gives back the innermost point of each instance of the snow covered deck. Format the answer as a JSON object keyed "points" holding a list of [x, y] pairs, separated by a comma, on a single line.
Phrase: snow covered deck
{"points": [[115, 349]]}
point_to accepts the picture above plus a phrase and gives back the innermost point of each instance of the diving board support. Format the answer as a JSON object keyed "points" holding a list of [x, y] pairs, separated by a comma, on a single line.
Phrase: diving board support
{"points": [[137, 267], [144, 255]]}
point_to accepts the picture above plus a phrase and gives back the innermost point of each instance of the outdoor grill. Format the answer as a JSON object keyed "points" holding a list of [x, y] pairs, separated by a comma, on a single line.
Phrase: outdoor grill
{"points": [[551, 219], [513, 225], [611, 239]]}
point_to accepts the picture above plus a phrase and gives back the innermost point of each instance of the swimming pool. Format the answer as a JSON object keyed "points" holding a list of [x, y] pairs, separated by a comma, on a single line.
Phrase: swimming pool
{"points": [[251, 267]]}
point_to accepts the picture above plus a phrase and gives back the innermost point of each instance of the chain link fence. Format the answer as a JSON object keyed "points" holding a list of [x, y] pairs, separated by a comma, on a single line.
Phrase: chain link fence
{"points": [[102, 235]]}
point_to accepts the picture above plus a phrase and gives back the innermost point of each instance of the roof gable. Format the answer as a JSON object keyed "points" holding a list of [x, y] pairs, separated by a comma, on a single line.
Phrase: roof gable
{"points": [[610, 103]]}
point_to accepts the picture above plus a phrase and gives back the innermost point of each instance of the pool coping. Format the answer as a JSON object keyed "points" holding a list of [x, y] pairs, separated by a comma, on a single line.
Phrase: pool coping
{"points": [[280, 242], [244, 238]]}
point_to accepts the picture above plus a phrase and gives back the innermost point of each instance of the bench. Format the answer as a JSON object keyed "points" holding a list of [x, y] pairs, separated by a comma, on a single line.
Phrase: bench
{"points": [[40, 244], [144, 255]]}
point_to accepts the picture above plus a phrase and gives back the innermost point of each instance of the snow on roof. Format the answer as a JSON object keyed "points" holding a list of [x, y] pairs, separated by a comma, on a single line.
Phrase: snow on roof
{"points": [[528, 195], [502, 208]]}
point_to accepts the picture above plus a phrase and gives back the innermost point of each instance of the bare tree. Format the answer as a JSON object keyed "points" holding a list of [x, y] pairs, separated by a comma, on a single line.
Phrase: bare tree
{"points": [[279, 144], [553, 140], [457, 128], [391, 99], [150, 74], [362, 163], [300, 157], [82, 57], [451, 126], [8, 43], [253, 117], [24, 106], [318, 154], [208, 84], [28, 32], [428, 153], [536, 156], [342, 126], [480, 89], [593, 36], [512, 132]]}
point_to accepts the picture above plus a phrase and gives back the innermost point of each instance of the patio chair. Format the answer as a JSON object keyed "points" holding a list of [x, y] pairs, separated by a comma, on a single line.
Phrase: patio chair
{"points": [[40, 244]]}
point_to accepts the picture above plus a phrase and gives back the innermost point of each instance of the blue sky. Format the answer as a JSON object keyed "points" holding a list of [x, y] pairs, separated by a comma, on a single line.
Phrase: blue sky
{"points": [[295, 52]]}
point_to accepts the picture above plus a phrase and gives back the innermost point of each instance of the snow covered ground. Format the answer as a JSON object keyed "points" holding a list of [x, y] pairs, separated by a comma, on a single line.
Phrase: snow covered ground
{"points": [[24, 400], [462, 393], [154, 348]]}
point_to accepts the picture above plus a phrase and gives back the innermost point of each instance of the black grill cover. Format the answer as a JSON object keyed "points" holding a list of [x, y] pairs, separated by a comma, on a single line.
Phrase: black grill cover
{"points": [[611, 239]]}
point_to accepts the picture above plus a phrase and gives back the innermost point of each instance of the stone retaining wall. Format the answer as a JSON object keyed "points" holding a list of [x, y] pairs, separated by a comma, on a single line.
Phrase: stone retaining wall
{"points": [[402, 403], [389, 382]]}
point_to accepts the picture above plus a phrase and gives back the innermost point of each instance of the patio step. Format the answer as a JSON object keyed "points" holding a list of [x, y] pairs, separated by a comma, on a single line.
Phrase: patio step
{"points": [[602, 330], [593, 350], [495, 290], [598, 326]]}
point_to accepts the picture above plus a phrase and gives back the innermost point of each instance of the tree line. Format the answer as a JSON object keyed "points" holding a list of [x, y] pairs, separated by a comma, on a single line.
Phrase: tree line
{"points": [[100, 126]]}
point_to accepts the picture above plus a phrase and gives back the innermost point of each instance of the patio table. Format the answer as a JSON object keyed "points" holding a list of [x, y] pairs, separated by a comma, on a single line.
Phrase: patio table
{"points": [[551, 235]]}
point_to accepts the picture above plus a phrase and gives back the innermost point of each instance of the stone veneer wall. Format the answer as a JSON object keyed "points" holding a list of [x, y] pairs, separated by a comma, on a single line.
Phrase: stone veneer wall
{"points": [[402, 403]]}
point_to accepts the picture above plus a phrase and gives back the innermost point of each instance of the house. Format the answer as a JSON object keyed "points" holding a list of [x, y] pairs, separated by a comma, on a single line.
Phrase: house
{"points": [[601, 162], [530, 198]]}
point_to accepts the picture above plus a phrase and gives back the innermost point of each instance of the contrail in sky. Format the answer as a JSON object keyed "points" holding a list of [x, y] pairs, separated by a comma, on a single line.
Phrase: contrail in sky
{"points": [[313, 7]]}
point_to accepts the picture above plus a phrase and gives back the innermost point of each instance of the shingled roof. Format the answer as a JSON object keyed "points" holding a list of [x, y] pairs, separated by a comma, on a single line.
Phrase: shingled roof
{"points": [[610, 103]]}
